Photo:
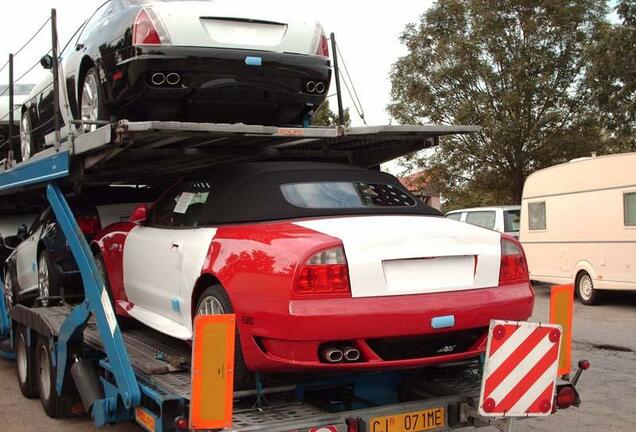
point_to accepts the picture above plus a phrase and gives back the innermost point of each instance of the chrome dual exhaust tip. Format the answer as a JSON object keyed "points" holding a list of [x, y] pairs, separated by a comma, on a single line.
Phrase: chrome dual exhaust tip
{"points": [[351, 354], [336, 354], [332, 354], [173, 78], [158, 78]]}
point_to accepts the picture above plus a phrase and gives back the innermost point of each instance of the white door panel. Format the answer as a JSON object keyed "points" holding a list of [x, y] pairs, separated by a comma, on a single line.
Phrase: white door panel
{"points": [[161, 267], [438, 254]]}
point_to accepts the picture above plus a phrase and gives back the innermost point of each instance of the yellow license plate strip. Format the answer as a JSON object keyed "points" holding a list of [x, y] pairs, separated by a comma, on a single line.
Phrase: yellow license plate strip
{"points": [[145, 419], [414, 421]]}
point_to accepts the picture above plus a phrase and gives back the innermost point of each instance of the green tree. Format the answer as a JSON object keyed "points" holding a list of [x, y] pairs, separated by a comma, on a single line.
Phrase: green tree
{"points": [[515, 67], [325, 117], [612, 77]]}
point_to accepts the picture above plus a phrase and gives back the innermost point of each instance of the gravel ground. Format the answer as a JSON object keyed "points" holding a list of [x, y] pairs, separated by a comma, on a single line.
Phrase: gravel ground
{"points": [[605, 335]]}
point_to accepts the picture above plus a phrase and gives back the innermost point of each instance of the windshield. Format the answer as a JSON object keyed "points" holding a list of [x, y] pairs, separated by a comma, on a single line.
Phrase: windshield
{"points": [[511, 220], [18, 89], [342, 195]]}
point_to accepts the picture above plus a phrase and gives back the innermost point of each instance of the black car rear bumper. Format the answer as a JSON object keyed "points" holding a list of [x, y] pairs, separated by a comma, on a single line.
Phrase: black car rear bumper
{"points": [[219, 85]]}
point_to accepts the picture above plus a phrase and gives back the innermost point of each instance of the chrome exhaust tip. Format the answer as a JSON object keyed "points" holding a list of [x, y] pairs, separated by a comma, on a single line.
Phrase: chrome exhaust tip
{"points": [[331, 354], [320, 87], [173, 78], [158, 78], [310, 86], [351, 354]]}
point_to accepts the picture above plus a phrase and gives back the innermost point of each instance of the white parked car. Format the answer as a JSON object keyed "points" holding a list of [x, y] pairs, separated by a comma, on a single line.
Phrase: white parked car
{"points": [[504, 219]]}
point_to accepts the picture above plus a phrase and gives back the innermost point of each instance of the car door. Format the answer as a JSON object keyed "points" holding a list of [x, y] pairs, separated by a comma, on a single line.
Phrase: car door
{"points": [[163, 258], [26, 255]]}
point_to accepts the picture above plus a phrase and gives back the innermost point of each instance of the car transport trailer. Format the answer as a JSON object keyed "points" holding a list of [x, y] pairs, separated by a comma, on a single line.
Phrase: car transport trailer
{"points": [[82, 360]]}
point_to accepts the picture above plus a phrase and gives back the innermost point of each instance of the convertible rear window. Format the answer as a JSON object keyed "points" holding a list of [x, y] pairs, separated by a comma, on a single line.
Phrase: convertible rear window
{"points": [[345, 195]]}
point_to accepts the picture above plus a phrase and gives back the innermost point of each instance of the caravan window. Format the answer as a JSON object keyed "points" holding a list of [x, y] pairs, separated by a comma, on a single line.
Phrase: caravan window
{"points": [[629, 207], [536, 215]]}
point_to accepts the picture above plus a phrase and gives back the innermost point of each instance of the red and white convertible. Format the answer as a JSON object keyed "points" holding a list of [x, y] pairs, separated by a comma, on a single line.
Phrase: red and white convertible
{"points": [[327, 267]]}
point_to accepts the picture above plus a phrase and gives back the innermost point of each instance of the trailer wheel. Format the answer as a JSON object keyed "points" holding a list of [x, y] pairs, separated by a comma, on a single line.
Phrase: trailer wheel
{"points": [[25, 364], [214, 301], [54, 405], [585, 290]]}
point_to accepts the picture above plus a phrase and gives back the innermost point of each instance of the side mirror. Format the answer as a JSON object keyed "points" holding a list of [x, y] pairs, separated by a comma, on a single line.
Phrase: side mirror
{"points": [[47, 62], [22, 231], [139, 214]]}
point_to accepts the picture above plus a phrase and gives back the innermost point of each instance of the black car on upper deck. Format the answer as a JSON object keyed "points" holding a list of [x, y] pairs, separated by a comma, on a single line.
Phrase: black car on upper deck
{"points": [[200, 61]]}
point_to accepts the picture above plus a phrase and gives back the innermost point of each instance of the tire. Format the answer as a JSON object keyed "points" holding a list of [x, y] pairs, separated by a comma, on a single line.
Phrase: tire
{"points": [[49, 279], [25, 364], [216, 295], [28, 146], [45, 374], [585, 291], [91, 100]]}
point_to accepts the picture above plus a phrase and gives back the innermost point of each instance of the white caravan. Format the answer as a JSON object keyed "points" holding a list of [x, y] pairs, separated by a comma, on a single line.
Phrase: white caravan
{"points": [[578, 224]]}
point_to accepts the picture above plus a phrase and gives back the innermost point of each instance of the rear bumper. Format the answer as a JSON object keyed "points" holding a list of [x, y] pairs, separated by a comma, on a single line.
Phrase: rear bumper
{"points": [[217, 85], [390, 332]]}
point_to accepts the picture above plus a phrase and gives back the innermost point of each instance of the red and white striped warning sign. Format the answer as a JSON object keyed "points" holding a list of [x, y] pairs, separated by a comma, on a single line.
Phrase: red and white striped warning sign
{"points": [[520, 369]]}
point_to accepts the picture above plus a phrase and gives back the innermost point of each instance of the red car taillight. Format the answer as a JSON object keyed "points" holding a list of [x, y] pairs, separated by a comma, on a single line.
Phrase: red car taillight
{"points": [[89, 225], [513, 266], [148, 30], [325, 272]]}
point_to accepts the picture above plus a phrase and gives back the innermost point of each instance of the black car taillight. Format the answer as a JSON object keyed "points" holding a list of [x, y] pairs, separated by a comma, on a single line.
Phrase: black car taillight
{"points": [[148, 30]]}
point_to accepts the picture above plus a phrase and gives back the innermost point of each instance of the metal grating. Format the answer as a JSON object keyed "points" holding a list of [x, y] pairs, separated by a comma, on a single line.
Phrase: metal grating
{"points": [[272, 417]]}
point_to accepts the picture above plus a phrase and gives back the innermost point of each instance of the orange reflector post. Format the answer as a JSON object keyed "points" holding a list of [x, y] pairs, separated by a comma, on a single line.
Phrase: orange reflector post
{"points": [[561, 311], [212, 372]]}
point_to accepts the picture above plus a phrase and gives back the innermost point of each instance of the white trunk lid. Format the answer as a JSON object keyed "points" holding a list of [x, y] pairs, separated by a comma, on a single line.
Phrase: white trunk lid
{"points": [[399, 255], [230, 25]]}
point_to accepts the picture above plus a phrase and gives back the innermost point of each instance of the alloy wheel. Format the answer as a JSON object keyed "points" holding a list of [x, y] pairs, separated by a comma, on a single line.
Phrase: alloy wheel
{"points": [[90, 102], [8, 291], [25, 137], [210, 306], [586, 288], [43, 280], [44, 373]]}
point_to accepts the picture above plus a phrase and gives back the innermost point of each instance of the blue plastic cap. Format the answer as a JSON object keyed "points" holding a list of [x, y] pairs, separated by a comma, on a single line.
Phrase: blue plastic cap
{"points": [[253, 61]]}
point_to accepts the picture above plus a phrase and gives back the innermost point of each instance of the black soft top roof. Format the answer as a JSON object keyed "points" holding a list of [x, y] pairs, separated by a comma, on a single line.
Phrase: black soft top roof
{"points": [[250, 192]]}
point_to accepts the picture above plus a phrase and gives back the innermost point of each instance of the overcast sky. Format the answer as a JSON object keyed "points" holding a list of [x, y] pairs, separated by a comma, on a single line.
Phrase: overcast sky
{"points": [[367, 32]]}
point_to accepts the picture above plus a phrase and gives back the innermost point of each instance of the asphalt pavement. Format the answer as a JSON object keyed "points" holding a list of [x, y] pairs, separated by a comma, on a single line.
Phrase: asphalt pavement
{"points": [[605, 335]]}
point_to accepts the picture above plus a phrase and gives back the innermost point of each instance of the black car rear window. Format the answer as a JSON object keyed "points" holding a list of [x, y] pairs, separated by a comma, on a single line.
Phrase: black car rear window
{"points": [[266, 191], [343, 195]]}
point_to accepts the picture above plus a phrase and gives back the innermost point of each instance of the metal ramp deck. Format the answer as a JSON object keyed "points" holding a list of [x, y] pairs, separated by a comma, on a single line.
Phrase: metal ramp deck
{"points": [[142, 152]]}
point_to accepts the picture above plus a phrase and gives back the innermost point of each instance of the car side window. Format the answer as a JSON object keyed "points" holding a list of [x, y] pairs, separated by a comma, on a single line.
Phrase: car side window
{"points": [[536, 216], [485, 219], [454, 216], [184, 207], [94, 20]]}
